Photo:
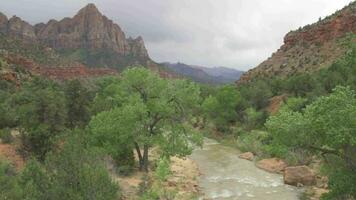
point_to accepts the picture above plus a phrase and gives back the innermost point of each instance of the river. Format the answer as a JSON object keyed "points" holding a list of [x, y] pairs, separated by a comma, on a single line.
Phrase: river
{"points": [[226, 176]]}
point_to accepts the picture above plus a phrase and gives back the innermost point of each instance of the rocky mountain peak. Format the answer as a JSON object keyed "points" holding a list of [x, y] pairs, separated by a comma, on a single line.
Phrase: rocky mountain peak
{"points": [[3, 22], [89, 13], [88, 30], [21, 29]]}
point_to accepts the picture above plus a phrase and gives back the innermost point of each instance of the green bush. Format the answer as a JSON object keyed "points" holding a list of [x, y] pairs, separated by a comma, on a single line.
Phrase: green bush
{"points": [[9, 189], [6, 136], [125, 160], [252, 141], [72, 173], [162, 170]]}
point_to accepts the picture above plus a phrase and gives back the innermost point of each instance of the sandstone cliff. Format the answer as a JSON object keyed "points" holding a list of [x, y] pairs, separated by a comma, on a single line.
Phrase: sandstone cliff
{"points": [[89, 32], [309, 48]]}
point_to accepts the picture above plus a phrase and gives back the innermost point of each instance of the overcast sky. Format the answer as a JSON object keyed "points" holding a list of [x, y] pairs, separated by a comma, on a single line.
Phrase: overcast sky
{"points": [[232, 33]]}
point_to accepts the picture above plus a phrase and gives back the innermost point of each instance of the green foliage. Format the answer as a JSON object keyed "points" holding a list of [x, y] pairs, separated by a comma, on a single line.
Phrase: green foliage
{"points": [[72, 173], [77, 173], [162, 170], [252, 142], [257, 94], [221, 108], [295, 103], [6, 136], [254, 119], [326, 126], [35, 182], [40, 106], [77, 102], [9, 188], [148, 111]]}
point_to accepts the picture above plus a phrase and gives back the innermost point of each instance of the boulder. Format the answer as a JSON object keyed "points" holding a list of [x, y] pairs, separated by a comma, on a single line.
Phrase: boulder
{"points": [[299, 175], [273, 165], [247, 156]]}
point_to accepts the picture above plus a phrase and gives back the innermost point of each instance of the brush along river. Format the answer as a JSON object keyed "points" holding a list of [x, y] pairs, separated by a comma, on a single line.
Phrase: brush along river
{"points": [[226, 176]]}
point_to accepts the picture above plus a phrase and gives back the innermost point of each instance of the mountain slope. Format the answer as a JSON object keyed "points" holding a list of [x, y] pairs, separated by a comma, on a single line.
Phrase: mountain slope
{"points": [[310, 48], [215, 75], [88, 37]]}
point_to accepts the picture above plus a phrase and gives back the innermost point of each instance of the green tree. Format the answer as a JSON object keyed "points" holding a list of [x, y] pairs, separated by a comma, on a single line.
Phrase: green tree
{"points": [[42, 113], [152, 111], [326, 127], [222, 107], [78, 102]]}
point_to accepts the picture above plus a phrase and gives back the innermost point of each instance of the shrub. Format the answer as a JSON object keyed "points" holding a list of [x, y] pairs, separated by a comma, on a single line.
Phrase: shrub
{"points": [[9, 188], [6, 136], [252, 141], [162, 170]]}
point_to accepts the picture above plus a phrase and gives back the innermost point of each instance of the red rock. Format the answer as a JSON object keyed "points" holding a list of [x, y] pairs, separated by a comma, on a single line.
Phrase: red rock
{"points": [[308, 49], [299, 175], [273, 165], [247, 156]]}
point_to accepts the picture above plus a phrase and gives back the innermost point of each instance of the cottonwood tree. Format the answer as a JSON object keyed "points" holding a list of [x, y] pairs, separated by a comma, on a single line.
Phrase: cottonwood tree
{"points": [[152, 112], [326, 127]]}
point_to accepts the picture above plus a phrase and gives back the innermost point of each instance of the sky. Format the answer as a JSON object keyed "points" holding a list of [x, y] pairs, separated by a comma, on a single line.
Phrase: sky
{"points": [[238, 34]]}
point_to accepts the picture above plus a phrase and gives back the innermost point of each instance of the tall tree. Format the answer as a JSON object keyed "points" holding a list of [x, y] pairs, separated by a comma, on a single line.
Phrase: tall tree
{"points": [[42, 113], [152, 111], [78, 102]]}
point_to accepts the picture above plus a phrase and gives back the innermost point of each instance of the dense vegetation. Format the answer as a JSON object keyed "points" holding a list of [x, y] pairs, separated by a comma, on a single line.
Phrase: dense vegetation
{"points": [[66, 129]]}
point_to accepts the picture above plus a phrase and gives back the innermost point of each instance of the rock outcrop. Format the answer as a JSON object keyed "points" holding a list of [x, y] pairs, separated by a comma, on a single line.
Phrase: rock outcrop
{"points": [[3, 23], [299, 175], [88, 30], [18, 28], [273, 165], [309, 48]]}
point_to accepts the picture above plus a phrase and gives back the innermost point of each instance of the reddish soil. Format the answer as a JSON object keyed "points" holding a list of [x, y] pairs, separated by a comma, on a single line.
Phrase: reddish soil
{"points": [[9, 153]]}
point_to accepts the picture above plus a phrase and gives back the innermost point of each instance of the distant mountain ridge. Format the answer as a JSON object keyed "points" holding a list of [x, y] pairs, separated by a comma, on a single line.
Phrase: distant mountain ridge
{"points": [[310, 48], [214, 75]]}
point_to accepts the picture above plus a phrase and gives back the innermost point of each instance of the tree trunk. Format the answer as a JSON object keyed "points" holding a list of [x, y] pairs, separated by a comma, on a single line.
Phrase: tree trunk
{"points": [[145, 157], [140, 158]]}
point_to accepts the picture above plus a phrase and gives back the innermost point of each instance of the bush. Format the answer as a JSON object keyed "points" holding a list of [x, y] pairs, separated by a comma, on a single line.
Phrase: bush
{"points": [[252, 141], [9, 188], [72, 173], [162, 170], [125, 160], [6, 136]]}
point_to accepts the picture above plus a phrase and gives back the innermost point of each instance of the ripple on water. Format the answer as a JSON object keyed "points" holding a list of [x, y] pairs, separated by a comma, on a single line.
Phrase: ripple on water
{"points": [[246, 180]]}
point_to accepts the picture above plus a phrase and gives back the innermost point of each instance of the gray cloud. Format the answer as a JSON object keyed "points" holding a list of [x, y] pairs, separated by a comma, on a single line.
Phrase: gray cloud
{"points": [[232, 33]]}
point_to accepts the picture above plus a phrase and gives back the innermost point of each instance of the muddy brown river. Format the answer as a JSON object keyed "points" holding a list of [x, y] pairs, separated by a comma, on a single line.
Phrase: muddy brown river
{"points": [[226, 176]]}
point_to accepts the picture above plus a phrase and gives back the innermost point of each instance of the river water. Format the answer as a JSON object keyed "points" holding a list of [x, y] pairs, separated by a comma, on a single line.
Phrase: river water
{"points": [[225, 176]]}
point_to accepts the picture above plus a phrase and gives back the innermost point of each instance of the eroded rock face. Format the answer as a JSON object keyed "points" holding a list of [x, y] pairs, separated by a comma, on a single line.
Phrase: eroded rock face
{"points": [[247, 156], [21, 29], [88, 29], [299, 175], [273, 165], [3, 23], [310, 48], [91, 30]]}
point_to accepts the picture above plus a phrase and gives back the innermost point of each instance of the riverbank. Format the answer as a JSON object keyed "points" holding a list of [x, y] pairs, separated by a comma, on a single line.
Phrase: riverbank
{"points": [[312, 192], [181, 183]]}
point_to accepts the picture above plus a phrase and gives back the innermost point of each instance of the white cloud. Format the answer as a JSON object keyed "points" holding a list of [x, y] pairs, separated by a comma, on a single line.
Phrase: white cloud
{"points": [[233, 33]]}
